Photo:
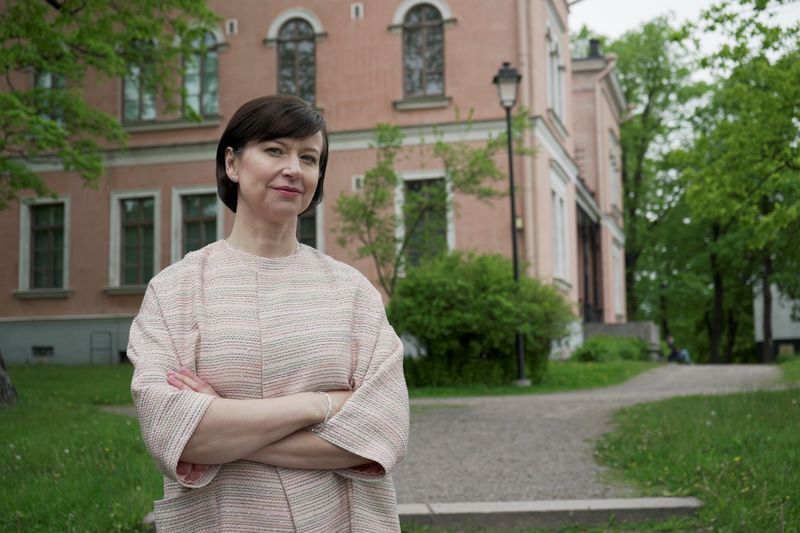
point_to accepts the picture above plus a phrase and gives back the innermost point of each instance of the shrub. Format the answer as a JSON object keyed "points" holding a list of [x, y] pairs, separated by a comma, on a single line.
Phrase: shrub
{"points": [[464, 310], [604, 349]]}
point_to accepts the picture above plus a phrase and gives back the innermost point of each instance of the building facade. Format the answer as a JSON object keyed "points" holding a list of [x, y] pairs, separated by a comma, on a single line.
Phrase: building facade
{"points": [[77, 265]]}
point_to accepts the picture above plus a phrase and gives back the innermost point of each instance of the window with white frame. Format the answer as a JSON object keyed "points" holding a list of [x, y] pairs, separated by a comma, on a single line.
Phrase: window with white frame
{"points": [[619, 279], [423, 52], [307, 228], [297, 59], [560, 263], [201, 78], [50, 82], [423, 202], [44, 244], [197, 219], [555, 72], [614, 177], [134, 243]]}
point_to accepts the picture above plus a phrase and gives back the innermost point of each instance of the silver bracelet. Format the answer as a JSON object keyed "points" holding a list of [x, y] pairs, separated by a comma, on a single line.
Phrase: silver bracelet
{"points": [[330, 407]]}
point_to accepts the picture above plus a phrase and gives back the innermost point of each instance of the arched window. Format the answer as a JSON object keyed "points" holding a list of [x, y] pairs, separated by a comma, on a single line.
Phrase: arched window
{"points": [[296, 60], [423, 52], [201, 79]]}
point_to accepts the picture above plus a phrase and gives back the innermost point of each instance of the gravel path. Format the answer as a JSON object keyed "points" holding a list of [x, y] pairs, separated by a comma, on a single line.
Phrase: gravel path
{"points": [[539, 447]]}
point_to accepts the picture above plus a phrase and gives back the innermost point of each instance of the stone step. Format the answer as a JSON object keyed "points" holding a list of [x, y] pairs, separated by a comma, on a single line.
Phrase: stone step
{"points": [[545, 514]]}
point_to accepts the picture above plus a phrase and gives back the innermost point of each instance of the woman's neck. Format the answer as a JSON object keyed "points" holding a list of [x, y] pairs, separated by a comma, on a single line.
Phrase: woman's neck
{"points": [[264, 238]]}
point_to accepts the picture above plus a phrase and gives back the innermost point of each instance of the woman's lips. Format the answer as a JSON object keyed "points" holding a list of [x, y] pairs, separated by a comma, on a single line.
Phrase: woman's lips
{"points": [[289, 193]]}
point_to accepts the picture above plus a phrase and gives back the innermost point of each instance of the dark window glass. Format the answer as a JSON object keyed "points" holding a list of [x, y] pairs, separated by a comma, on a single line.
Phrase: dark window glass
{"points": [[296, 60], [137, 240], [423, 52], [199, 221], [307, 228], [425, 219], [47, 246], [138, 96], [50, 102], [201, 79]]}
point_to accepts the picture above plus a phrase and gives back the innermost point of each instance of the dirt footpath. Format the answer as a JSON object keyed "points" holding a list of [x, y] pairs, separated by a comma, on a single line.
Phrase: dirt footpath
{"points": [[539, 447]]}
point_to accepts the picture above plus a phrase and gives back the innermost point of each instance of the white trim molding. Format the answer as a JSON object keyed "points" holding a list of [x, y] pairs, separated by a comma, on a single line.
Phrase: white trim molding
{"points": [[23, 278], [293, 13], [406, 5], [114, 242], [176, 217], [319, 217]]}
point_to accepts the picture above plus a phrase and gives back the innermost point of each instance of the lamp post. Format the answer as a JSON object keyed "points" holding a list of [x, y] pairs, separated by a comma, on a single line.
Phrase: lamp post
{"points": [[507, 81]]}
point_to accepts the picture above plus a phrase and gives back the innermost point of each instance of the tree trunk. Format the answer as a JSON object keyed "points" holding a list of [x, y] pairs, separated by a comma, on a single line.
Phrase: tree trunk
{"points": [[8, 394], [718, 311], [733, 326], [662, 306], [767, 355]]}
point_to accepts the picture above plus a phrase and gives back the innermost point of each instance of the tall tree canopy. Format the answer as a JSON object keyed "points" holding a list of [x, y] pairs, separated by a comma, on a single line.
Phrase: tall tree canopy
{"points": [[48, 50], [59, 43]]}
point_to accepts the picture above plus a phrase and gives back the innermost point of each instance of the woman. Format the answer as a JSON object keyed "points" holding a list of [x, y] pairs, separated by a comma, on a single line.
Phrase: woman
{"points": [[268, 382]]}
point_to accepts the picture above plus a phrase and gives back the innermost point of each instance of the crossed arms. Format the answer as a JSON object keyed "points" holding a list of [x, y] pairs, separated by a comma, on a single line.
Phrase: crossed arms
{"points": [[190, 430]]}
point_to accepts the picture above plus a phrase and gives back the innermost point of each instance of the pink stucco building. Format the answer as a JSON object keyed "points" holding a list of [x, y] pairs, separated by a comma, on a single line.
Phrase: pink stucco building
{"points": [[76, 267]]}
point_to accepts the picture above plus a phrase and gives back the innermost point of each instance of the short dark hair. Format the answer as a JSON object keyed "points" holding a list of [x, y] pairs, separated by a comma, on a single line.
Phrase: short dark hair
{"points": [[262, 119]]}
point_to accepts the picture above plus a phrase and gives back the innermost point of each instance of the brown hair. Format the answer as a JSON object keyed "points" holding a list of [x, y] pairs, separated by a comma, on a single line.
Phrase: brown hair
{"points": [[263, 119]]}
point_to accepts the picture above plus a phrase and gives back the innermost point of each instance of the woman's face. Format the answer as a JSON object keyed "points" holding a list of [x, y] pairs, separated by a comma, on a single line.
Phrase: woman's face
{"points": [[277, 178]]}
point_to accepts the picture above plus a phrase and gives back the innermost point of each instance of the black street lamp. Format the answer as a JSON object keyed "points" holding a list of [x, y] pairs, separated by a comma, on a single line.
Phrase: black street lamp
{"points": [[507, 81]]}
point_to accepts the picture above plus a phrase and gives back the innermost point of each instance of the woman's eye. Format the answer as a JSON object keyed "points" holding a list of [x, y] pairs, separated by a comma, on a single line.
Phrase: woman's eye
{"points": [[272, 150], [310, 159]]}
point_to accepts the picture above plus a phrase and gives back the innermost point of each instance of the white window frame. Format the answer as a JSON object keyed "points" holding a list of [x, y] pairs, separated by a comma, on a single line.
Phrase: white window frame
{"points": [[616, 267], [615, 175], [556, 70], [319, 221], [24, 279], [561, 242], [115, 239], [176, 217], [399, 201]]}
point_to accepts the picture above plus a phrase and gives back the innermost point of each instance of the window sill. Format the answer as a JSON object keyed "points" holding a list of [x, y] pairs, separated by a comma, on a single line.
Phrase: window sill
{"points": [[562, 130], [208, 122], [125, 290], [41, 294], [428, 102]]}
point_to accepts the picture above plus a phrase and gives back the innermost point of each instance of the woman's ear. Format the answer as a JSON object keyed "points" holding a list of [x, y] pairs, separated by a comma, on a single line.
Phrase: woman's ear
{"points": [[231, 163]]}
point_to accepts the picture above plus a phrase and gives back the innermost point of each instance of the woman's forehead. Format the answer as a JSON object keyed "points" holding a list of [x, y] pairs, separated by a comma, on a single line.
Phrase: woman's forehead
{"points": [[313, 141]]}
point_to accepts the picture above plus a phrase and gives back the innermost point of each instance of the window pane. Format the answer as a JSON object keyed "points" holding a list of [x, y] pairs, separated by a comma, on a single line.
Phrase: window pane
{"points": [[307, 228], [425, 210]]}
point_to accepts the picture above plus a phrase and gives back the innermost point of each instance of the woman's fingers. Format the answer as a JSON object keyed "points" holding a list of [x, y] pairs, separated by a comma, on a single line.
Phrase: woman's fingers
{"points": [[185, 379]]}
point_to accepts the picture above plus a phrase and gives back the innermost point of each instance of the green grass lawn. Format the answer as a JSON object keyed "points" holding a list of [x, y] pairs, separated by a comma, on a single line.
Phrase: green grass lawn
{"points": [[76, 468], [791, 370], [740, 454], [561, 376], [67, 466]]}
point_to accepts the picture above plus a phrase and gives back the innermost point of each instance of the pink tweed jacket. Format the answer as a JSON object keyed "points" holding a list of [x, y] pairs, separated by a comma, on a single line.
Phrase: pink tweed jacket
{"points": [[255, 327]]}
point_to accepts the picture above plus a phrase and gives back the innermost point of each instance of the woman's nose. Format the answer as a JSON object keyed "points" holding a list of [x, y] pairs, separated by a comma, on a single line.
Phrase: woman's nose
{"points": [[292, 167]]}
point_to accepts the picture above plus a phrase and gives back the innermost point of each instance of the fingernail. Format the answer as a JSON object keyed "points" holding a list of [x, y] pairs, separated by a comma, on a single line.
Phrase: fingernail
{"points": [[184, 370]]}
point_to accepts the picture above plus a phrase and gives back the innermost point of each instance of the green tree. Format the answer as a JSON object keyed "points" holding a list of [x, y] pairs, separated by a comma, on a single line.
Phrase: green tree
{"points": [[368, 223], [653, 64], [745, 175], [62, 42]]}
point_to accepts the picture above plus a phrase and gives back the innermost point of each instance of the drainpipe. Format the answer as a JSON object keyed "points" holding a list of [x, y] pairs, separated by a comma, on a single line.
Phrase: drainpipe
{"points": [[528, 183]]}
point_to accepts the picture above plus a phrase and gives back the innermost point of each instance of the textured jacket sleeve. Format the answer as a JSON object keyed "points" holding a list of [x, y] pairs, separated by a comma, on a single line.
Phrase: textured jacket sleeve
{"points": [[373, 423], [159, 342]]}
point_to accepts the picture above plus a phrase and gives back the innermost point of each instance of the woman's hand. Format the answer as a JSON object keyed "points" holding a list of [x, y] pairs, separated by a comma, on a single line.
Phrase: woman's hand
{"points": [[185, 379]]}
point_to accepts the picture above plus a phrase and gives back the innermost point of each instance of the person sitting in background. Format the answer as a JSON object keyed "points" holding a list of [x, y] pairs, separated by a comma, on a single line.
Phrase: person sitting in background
{"points": [[675, 355]]}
